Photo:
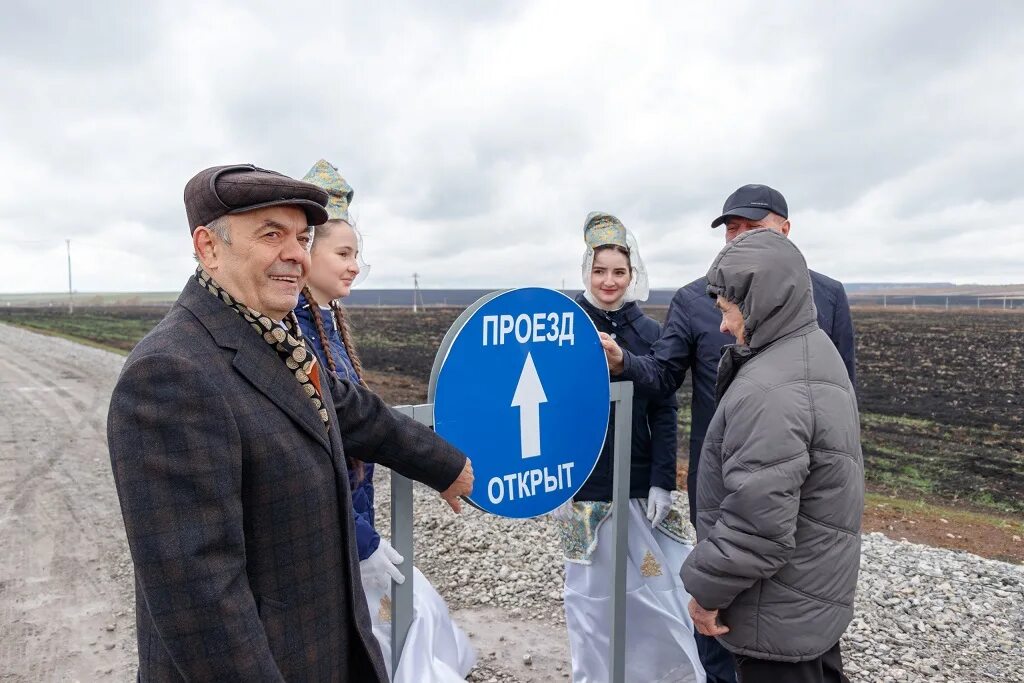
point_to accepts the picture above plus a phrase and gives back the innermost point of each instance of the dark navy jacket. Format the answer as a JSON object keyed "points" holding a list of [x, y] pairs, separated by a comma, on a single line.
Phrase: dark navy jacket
{"points": [[367, 538], [691, 340], [654, 418]]}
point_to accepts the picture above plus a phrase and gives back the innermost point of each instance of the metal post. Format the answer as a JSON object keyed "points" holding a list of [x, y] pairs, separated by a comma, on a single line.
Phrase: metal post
{"points": [[622, 397], [401, 540]]}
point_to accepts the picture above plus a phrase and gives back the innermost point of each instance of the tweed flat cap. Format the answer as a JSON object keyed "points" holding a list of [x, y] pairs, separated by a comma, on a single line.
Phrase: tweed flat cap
{"points": [[237, 188], [325, 175]]}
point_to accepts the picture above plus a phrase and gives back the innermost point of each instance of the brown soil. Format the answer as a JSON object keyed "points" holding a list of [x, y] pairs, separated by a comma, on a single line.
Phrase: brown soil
{"points": [[981, 534], [396, 389]]}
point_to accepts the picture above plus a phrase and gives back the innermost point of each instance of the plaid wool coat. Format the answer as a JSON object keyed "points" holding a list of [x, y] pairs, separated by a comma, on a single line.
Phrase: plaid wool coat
{"points": [[236, 503]]}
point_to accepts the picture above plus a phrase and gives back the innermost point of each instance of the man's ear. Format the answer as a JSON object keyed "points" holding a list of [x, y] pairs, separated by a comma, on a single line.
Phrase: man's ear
{"points": [[784, 228], [205, 246]]}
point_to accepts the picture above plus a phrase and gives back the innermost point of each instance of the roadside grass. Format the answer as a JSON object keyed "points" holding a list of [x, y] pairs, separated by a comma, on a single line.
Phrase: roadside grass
{"points": [[919, 508], [875, 419], [939, 510], [70, 337], [110, 331]]}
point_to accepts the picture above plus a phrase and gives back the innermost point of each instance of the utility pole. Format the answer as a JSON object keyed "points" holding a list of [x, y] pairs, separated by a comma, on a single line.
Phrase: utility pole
{"points": [[416, 297], [71, 296]]}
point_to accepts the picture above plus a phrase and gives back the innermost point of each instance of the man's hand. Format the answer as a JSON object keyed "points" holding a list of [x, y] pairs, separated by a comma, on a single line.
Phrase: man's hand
{"points": [[612, 352], [706, 620], [462, 486]]}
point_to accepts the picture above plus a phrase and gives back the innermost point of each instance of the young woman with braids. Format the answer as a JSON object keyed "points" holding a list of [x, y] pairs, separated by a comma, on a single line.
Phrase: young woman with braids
{"points": [[436, 649]]}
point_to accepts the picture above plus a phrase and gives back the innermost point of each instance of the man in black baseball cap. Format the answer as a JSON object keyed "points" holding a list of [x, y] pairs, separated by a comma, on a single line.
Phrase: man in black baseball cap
{"points": [[692, 340], [752, 202]]}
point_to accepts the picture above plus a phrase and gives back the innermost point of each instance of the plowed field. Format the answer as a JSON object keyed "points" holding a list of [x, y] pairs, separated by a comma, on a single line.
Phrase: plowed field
{"points": [[941, 393]]}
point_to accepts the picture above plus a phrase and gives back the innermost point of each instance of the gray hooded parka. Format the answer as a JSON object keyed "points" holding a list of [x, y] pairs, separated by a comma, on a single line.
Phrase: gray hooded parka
{"points": [[780, 489]]}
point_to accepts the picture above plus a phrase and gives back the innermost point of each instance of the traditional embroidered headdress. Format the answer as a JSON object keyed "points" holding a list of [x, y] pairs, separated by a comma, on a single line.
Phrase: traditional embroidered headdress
{"points": [[325, 176]]}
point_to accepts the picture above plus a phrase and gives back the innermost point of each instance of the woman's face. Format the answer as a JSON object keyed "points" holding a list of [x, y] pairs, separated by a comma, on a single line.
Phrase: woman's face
{"points": [[609, 276], [333, 264]]}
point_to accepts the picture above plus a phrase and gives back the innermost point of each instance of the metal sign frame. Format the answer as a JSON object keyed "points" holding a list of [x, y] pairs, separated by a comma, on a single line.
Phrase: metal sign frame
{"points": [[402, 532]]}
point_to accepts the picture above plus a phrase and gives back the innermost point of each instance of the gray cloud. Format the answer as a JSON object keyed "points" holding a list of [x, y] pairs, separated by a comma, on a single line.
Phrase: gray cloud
{"points": [[478, 135]]}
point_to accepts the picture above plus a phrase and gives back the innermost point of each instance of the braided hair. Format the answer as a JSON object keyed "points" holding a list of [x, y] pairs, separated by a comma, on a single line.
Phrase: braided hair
{"points": [[355, 464]]}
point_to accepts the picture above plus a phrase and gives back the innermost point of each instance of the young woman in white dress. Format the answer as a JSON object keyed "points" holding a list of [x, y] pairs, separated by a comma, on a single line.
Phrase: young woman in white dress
{"points": [[660, 646]]}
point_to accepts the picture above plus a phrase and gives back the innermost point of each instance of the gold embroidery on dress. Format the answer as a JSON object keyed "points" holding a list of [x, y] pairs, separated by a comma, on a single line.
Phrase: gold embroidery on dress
{"points": [[650, 566], [384, 614]]}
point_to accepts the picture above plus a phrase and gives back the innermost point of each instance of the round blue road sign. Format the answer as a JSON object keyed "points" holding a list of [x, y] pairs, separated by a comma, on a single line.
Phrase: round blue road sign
{"points": [[520, 384]]}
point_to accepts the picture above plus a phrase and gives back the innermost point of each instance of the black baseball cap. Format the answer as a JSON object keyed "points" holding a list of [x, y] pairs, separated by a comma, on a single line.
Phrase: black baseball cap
{"points": [[753, 202]]}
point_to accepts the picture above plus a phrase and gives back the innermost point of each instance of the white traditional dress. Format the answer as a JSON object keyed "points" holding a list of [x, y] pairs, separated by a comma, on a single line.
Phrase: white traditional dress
{"points": [[660, 647], [436, 649]]}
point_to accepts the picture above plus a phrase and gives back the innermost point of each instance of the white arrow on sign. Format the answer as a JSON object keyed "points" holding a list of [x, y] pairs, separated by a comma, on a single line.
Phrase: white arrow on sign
{"points": [[528, 397]]}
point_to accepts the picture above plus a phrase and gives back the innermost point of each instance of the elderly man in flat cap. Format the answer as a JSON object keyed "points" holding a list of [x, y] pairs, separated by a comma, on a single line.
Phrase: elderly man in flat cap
{"points": [[228, 445]]}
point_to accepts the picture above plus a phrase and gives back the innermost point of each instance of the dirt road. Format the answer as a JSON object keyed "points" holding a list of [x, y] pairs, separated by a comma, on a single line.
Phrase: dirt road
{"points": [[66, 605]]}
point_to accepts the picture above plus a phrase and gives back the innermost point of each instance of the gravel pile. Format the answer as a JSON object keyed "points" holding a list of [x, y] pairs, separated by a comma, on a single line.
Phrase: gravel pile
{"points": [[927, 614], [923, 614]]}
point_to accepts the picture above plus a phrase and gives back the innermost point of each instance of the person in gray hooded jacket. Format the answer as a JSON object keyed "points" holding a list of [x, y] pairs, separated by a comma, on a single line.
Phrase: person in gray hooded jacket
{"points": [[781, 482]]}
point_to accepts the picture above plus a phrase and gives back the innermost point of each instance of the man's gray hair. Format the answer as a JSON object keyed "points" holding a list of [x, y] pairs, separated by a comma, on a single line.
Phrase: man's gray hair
{"points": [[220, 228]]}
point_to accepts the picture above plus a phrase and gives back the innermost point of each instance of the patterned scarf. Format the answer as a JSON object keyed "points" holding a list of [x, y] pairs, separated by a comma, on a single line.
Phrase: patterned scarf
{"points": [[288, 342]]}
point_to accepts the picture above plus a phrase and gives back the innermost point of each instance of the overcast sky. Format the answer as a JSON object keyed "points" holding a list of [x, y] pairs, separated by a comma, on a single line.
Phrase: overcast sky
{"points": [[478, 135]]}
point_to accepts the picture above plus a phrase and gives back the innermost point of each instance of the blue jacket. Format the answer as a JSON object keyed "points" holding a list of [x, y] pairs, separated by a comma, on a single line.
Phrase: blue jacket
{"points": [[654, 417], [367, 538], [691, 340]]}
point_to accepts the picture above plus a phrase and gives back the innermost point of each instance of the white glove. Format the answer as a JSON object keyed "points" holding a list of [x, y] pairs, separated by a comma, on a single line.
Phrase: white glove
{"points": [[563, 513], [383, 563], [659, 502]]}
